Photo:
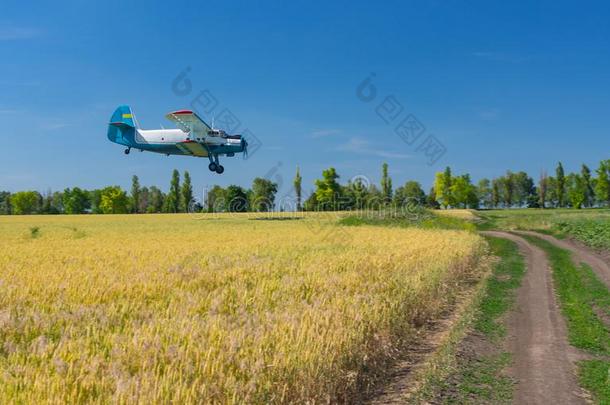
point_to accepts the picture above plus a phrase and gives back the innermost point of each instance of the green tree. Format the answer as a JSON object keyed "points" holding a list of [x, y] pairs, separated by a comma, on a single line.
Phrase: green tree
{"points": [[524, 188], [95, 197], [172, 201], [410, 193], [356, 194], [561, 185], [328, 190], [114, 201], [25, 202], [442, 187], [297, 188], [157, 200], [237, 199], [187, 199], [386, 184], [431, 201], [585, 173], [463, 192], [135, 194], [263, 195], [602, 185], [551, 191], [311, 203], [496, 192], [576, 190], [47, 203], [57, 202], [533, 200], [197, 207], [144, 200], [543, 184], [5, 203], [215, 199], [76, 201], [484, 194], [508, 188], [375, 199]]}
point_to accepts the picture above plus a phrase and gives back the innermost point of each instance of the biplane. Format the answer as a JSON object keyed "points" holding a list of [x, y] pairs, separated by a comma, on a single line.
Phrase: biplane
{"points": [[193, 137]]}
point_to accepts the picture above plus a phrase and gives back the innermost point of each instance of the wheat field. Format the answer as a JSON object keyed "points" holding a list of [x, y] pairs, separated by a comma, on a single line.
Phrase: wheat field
{"points": [[214, 308]]}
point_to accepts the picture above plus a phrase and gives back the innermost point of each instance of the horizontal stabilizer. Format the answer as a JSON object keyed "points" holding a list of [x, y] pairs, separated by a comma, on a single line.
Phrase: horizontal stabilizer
{"points": [[120, 124]]}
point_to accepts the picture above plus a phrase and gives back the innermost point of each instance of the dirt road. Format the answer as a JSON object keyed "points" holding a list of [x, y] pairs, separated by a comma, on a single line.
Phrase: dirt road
{"points": [[580, 254], [543, 361]]}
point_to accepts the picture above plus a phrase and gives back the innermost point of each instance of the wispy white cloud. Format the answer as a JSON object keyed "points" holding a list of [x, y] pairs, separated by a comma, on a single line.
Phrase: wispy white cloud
{"points": [[11, 33], [363, 146], [321, 133], [391, 155], [52, 126]]}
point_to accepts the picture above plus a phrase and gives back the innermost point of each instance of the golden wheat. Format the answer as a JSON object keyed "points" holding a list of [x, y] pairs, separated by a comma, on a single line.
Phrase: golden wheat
{"points": [[213, 308]]}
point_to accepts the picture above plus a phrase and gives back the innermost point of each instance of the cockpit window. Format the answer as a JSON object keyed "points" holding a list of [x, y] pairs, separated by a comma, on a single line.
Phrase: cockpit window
{"points": [[216, 132]]}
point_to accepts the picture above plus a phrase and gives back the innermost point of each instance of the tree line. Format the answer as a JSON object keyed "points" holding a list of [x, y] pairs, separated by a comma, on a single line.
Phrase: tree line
{"points": [[359, 193], [115, 200], [583, 189], [107, 200]]}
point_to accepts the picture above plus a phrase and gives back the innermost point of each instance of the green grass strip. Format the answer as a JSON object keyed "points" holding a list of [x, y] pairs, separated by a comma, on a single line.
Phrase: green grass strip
{"points": [[595, 376], [422, 218], [598, 292], [498, 298], [484, 381]]}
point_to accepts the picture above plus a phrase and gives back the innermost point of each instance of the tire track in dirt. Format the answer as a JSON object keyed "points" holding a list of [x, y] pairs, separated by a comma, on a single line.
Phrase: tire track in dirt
{"points": [[580, 254], [543, 361]]}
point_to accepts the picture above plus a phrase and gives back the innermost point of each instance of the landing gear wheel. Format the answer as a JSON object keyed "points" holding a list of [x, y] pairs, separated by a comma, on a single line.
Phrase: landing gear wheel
{"points": [[220, 169], [213, 167], [127, 151]]}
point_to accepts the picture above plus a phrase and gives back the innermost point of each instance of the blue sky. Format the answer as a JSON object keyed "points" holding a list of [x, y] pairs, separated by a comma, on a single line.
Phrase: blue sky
{"points": [[501, 85]]}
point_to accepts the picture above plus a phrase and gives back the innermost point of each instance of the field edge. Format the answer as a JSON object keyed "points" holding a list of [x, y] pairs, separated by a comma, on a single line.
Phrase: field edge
{"points": [[441, 361]]}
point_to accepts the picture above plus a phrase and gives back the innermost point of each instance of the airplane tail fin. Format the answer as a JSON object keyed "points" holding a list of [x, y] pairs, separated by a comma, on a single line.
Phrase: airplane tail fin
{"points": [[123, 116], [122, 125]]}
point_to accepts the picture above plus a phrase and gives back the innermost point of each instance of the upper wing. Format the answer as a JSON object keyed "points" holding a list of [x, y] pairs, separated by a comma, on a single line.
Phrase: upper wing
{"points": [[189, 121]]}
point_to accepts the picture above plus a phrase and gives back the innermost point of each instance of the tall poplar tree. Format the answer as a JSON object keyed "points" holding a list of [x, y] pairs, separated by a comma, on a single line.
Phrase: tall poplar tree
{"points": [[297, 188], [186, 193], [135, 194], [386, 183], [561, 185], [172, 202]]}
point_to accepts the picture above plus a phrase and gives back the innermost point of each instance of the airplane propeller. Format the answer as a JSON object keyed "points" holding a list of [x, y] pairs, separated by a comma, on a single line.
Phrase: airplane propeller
{"points": [[245, 147]]}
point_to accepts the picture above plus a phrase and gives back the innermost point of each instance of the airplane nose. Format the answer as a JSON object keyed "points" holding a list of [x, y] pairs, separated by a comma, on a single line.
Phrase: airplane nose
{"points": [[244, 147]]}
